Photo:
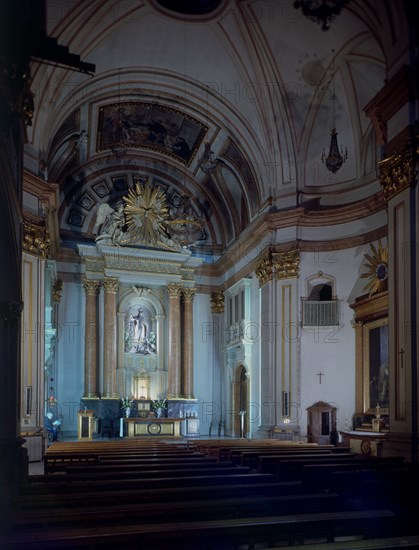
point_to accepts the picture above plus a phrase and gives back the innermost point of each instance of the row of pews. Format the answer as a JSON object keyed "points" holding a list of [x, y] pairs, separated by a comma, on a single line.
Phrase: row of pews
{"points": [[213, 495]]}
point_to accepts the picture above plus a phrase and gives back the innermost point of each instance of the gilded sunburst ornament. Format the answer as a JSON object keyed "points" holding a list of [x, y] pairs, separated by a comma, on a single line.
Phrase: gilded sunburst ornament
{"points": [[377, 269], [146, 211]]}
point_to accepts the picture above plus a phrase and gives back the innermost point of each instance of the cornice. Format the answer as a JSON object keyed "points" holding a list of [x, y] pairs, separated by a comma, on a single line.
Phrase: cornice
{"points": [[368, 308], [390, 99], [299, 217]]}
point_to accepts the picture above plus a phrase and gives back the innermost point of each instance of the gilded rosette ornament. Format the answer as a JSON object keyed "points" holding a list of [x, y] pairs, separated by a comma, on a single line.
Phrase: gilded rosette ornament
{"points": [[396, 173], [217, 302]]}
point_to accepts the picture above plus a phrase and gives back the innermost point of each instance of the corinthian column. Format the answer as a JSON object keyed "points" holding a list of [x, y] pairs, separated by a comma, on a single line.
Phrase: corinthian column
{"points": [[187, 372], [173, 368], [110, 284], [91, 289]]}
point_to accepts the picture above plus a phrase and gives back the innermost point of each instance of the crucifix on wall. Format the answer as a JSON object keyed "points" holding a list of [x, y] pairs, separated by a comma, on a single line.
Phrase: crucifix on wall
{"points": [[320, 374]]}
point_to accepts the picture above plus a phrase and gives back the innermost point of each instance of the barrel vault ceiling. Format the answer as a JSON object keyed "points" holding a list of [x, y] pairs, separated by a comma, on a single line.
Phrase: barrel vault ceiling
{"points": [[253, 81]]}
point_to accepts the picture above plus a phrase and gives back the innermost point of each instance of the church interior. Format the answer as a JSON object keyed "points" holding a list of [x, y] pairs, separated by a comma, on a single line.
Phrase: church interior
{"points": [[209, 227]]}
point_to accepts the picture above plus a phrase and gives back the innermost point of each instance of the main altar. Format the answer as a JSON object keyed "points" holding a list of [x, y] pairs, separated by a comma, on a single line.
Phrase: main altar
{"points": [[152, 427], [139, 290]]}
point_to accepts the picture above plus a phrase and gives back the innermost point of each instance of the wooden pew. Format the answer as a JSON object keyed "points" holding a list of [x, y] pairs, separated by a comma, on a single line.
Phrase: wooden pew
{"points": [[235, 454], [364, 544], [227, 534], [153, 471], [61, 462], [134, 494], [255, 459], [111, 483], [280, 465], [318, 476], [233, 507]]}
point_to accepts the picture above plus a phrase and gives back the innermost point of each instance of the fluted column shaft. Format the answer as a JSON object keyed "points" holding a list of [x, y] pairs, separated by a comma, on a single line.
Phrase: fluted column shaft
{"points": [[187, 371], [90, 340], [173, 367], [110, 284]]}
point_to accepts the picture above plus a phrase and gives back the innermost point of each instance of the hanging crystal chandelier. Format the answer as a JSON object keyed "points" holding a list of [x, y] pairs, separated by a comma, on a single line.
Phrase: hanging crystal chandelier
{"points": [[118, 146], [334, 160]]}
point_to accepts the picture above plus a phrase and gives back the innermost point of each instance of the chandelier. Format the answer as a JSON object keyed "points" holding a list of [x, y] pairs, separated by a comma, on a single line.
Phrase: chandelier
{"points": [[334, 160], [209, 161], [320, 11], [119, 146], [183, 225]]}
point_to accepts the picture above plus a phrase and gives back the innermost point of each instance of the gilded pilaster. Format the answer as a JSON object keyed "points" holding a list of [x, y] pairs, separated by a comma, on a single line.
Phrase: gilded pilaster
{"points": [[188, 357], [110, 285], [91, 289], [174, 290]]}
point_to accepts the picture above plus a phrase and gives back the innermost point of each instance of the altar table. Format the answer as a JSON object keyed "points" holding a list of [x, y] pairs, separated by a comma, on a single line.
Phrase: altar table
{"points": [[152, 427]]}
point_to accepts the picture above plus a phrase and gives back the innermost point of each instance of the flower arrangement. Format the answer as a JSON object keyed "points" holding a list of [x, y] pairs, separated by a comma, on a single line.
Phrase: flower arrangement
{"points": [[127, 403], [159, 404]]}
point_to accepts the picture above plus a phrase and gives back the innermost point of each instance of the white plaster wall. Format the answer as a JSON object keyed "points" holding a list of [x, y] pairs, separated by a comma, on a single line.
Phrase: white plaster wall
{"points": [[70, 355], [330, 350], [203, 360]]}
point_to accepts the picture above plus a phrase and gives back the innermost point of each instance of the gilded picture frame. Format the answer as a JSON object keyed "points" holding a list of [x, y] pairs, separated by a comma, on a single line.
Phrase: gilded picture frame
{"points": [[375, 362]]}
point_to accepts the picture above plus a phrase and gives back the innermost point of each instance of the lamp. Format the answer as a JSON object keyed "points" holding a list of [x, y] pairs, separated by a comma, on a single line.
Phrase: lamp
{"points": [[209, 162], [183, 226], [320, 11], [118, 146], [335, 158]]}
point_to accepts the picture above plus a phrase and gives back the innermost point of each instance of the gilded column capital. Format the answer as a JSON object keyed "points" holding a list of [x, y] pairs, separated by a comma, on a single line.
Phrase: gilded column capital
{"points": [[286, 264], [188, 294], [174, 290], [91, 287], [396, 173], [264, 269], [217, 302], [57, 289], [35, 239], [110, 284]]}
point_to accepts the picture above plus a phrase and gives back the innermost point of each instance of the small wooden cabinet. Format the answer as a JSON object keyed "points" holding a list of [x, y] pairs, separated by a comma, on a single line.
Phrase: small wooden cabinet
{"points": [[321, 424]]}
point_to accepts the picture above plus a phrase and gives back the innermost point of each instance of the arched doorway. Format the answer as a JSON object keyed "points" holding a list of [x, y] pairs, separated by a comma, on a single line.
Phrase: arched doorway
{"points": [[240, 401]]}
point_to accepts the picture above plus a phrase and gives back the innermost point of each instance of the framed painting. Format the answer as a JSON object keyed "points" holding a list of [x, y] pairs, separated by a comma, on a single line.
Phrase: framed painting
{"points": [[149, 126], [375, 361]]}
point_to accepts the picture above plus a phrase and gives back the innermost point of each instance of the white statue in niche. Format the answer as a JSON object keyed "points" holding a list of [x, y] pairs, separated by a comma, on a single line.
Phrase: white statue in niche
{"points": [[138, 337]]}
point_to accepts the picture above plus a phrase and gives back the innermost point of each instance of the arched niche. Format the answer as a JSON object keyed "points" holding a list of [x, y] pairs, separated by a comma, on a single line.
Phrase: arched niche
{"points": [[141, 341]]}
